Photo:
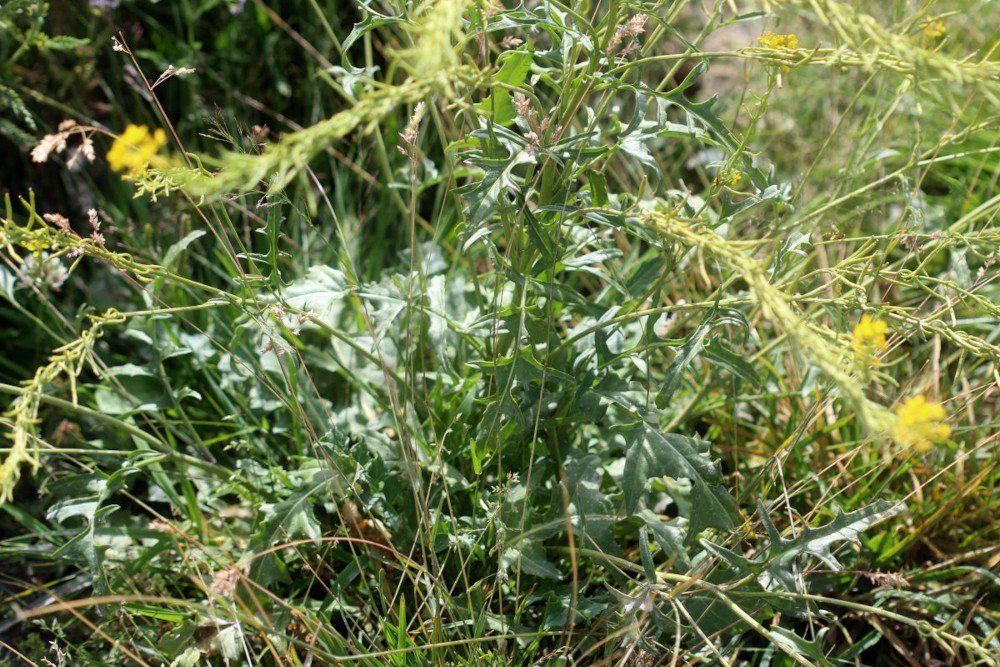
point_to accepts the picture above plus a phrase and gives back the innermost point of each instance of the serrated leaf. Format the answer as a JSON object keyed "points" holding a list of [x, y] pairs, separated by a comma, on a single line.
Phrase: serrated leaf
{"points": [[651, 454], [613, 390], [689, 351], [632, 141], [705, 112], [293, 517], [818, 541], [354, 80], [779, 569], [484, 196], [541, 239]]}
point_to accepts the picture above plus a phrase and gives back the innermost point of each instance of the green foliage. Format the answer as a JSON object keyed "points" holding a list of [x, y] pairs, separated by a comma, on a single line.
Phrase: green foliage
{"points": [[520, 335]]}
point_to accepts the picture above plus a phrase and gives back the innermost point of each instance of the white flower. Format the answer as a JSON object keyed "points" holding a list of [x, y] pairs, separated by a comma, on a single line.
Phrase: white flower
{"points": [[43, 271]]}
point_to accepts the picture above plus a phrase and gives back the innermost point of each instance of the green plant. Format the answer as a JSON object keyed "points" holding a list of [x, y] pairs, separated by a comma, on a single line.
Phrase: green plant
{"points": [[574, 381]]}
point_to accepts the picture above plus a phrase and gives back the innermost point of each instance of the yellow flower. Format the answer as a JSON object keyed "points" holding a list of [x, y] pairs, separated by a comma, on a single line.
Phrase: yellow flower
{"points": [[934, 29], [135, 149], [35, 247], [869, 338], [731, 178], [772, 41], [920, 423]]}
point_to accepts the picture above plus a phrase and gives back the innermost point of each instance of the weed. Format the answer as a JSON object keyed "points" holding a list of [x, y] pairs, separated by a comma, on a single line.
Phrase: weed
{"points": [[493, 334]]}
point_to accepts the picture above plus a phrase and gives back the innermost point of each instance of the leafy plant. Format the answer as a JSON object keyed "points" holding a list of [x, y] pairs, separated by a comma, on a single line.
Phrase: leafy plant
{"points": [[522, 338]]}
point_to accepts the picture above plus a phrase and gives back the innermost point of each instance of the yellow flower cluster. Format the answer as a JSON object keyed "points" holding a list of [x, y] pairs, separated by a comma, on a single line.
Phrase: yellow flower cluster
{"points": [[868, 339], [920, 423], [136, 149], [731, 178], [772, 41], [35, 247], [933, 29]]}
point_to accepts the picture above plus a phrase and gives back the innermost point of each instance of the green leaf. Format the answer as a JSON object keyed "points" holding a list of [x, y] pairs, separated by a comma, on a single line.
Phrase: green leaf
{"points": [[63, 43], [645, 556], [669, 535], [12, 101], [497, 190], [294, 518], [323, 290], [818, 541], [711, 615], [796, 243], [779, 569], [720, 355], [176, 249], [230, 642], [591, 513], [366, 25], [528, 555], [632, 141], [541, 239], [598, 188], [136, 389], [159, 613], [675, 372], [189, 658], [712, 506], [791, 643], [705, 112], [498, 105], [654, 454], [84, 497], [693, 347], [740, 564]]}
